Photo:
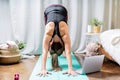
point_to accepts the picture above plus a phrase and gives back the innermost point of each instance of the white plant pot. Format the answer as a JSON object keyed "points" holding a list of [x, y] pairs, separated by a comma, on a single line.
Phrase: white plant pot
{"points": [[89, 29]]}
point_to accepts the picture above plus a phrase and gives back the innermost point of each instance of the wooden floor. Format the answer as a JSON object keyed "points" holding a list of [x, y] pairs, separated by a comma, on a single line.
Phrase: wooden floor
{"points": [[109, 71], [24, 68]]}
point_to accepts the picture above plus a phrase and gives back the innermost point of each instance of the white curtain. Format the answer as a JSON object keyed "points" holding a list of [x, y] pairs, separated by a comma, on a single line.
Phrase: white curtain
{"points": [[23, 20]]}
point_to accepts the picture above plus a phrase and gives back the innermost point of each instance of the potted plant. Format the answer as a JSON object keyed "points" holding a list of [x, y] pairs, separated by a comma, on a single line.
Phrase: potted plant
{"points": [[96, 25], [20, 44]]}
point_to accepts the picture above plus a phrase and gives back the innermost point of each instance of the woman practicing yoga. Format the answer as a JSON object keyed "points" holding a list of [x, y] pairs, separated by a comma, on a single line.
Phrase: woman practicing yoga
{"points": [[56, 38]]}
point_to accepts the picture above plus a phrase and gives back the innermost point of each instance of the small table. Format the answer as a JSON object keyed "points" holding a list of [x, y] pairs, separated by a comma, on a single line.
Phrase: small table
{"points": [[92, 37]]}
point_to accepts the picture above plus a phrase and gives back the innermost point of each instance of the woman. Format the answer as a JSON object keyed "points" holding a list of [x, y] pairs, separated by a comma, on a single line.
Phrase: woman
{"points": [[56, 38]]}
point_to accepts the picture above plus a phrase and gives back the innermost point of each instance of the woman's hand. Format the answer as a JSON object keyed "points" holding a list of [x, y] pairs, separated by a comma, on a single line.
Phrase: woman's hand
{"points": [[71, 72], [43, 73]]}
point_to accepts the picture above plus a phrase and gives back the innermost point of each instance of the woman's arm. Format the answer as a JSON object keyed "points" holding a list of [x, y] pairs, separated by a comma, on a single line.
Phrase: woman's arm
{"points": [[46, 43], [46, 40], [66, 39], [67, 44]]}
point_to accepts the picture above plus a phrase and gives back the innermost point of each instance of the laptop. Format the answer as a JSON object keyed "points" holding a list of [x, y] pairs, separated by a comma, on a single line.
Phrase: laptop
{"points": [[91, 64]]}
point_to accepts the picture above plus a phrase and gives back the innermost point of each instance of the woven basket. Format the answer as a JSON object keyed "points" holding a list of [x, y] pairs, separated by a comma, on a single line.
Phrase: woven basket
{"points": [[10, 56]]}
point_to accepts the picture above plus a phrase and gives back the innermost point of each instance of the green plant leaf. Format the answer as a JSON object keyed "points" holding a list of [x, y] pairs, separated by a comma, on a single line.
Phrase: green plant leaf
{"points": [[20, 44], [95, 22]]}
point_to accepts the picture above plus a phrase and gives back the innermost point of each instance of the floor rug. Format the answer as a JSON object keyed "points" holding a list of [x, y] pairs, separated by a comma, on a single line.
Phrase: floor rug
{"points": [[57, 75]]}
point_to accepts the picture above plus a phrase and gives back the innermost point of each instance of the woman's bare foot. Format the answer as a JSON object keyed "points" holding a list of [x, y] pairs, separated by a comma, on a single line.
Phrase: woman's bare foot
{"points": [[57, 68], [48, 55], [64, 54]]}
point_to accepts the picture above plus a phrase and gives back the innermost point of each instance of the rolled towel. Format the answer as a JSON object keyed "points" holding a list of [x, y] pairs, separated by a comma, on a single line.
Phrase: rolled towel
{"points": [[12, 45], [4, 46]]}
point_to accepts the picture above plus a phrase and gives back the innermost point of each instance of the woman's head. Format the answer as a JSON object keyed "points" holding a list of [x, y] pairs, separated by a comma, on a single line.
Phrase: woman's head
{"points": [[57, 48]]}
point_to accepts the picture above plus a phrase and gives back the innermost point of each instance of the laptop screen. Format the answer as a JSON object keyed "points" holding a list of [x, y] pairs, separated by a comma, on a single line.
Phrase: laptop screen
{"points": [[91, 64]]}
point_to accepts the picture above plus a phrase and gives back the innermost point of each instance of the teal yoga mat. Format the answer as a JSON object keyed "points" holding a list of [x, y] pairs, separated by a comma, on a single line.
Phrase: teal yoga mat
{"points": [[57, 75]]}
